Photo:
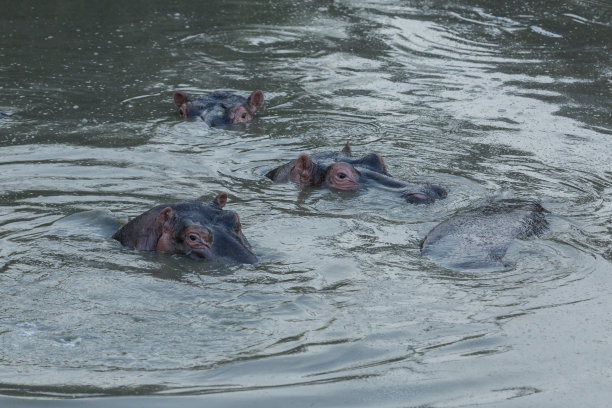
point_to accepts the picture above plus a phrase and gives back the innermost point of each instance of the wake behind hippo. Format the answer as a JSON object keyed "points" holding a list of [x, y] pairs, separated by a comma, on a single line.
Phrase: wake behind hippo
{"points": [[339, 170], [200, 230], [219, 108], [478, 238]]}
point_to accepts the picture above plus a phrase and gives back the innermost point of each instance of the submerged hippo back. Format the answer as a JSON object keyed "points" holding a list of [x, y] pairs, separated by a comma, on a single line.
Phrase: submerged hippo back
{"points": [[479, 238]]}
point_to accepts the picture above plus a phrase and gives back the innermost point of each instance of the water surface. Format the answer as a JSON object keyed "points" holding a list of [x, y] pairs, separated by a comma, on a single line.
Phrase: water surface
{"points": [[491, 101]]}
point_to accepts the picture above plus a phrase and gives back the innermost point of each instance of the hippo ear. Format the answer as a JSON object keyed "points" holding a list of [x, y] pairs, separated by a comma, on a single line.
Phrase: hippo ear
{"points": [[346, 149], [220, 200], [148, 239], [384, 166], [272, 173], [180, 98], [255, 101], [304, 169], [164, 216], [303, 163]]}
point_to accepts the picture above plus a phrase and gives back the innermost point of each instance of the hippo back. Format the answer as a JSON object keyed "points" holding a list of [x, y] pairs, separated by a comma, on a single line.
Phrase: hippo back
{"points": [[478, 238]]}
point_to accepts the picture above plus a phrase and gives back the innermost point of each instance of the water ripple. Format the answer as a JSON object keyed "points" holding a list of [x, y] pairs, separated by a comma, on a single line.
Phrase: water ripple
{"points": [[494, 101]]}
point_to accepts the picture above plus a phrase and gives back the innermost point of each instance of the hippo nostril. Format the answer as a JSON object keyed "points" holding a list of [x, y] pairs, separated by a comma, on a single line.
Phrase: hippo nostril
{"points": [[417, 198]]}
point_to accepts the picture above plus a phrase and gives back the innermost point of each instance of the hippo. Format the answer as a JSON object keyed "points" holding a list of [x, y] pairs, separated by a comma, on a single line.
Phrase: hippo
{"points": [[203, 231], [478, 238], [339, 170], [219, 108]]}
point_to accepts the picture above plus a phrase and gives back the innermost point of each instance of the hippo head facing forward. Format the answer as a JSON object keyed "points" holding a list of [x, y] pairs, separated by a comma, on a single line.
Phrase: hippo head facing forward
{"points": [[220, 108], [194, 228]]}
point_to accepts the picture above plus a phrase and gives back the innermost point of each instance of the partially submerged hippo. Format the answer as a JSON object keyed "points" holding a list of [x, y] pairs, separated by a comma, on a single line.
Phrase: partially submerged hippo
{"points": [[343, 172], [220, 108], [478, 238], [200, 230]]}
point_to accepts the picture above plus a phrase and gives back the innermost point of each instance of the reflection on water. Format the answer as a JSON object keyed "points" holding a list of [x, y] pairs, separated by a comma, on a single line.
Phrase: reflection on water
{"points": [[489, 100]]}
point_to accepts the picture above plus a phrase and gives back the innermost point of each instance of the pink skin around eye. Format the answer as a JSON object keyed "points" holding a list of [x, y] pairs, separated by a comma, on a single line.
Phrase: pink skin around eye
{"points": [[343, 176], [239, 115], [194, 237], [197, 238]]}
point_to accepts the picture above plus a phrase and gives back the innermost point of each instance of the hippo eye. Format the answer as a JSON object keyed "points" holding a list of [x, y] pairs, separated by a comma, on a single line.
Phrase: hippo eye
{"points": [[341, 175], [193, 237], [243, 116]]}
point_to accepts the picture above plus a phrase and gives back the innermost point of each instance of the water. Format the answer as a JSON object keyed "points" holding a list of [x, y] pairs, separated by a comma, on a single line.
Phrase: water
{"points": [[488, 100]]}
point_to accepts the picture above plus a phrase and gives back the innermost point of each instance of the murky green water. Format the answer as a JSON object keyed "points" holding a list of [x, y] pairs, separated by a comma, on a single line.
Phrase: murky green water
{"points": [[488, 100]]}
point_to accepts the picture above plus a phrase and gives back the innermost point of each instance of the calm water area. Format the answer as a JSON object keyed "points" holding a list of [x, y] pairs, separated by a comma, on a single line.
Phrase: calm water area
{"points": [[492, 100]]}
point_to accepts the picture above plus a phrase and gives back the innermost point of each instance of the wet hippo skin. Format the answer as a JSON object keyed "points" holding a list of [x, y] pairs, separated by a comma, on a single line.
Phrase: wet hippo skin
{"points": [[198, 229], [219, 108], [339, 170], [479, 237]]}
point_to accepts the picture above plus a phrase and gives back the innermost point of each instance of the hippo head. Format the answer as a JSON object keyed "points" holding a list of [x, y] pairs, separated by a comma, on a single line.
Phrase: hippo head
{"points": [[194, 228], [305, 172], [204, 231], [220, 108]]}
